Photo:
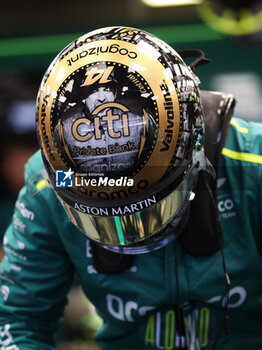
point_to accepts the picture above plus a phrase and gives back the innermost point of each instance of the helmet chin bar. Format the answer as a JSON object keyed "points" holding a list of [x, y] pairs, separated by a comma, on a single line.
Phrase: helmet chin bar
{"points": [[161, 239], [142, 230]]}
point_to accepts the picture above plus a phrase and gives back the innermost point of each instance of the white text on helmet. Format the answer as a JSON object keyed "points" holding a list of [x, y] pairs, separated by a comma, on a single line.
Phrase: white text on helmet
{"points": [[115, 211]]}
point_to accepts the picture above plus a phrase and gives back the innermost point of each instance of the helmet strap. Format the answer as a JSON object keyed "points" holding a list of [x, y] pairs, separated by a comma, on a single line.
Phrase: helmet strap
{"points": [[202, 234]]}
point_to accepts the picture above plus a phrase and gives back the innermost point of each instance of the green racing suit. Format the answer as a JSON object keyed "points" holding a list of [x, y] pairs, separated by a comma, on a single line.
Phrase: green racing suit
{"points": [[43, 249]]}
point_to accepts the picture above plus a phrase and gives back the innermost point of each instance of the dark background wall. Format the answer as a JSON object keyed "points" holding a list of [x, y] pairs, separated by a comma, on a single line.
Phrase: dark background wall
{"points": [[31, 34]]}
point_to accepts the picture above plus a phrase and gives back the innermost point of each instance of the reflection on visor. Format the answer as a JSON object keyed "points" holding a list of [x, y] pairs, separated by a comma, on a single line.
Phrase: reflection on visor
{"points": [[133, 228]]}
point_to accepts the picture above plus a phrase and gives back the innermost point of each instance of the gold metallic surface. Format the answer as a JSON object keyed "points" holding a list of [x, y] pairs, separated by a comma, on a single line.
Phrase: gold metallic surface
{"points": [[124, 53]]}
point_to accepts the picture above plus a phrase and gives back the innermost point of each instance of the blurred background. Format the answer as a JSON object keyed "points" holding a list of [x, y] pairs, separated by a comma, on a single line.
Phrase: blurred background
{"points": [[31, 34]]}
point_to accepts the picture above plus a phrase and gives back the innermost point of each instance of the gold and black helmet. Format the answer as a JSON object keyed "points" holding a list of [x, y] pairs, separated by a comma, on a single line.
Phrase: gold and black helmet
{"points": [[120, 125]]}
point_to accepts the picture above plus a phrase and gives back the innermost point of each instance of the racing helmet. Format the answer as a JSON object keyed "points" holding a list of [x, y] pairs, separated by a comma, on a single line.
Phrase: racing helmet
{"points": [[120, 125]]}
